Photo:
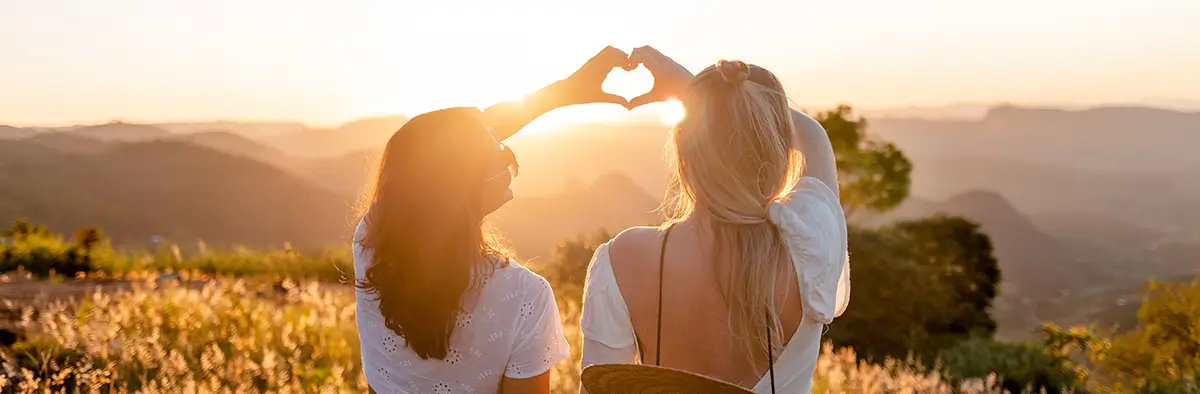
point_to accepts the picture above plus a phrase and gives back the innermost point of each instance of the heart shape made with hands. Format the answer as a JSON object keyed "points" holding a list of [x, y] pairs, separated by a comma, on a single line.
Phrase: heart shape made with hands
{"points": [[628, 83]]}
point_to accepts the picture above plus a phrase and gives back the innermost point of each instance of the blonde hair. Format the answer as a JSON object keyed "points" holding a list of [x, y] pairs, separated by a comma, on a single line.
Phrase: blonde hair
{"points": [[732, 157]]}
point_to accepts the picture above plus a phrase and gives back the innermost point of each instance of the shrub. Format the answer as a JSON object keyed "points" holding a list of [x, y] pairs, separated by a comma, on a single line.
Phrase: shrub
{"points": [[219, 337], [1017, 367]]}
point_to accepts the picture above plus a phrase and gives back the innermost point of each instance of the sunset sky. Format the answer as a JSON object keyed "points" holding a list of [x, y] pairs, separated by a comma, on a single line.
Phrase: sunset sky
{"points": [[325, 62]]}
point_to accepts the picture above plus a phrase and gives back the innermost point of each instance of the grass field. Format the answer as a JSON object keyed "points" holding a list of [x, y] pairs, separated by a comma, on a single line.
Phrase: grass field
{"points": [[199, 335]]}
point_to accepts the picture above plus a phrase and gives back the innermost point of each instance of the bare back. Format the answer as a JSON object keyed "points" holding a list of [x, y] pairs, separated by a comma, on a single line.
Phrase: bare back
{"points": [[696, 333]]}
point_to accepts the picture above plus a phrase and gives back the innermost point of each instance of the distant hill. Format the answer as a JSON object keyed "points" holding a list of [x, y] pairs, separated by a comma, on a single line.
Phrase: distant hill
{"points": [[1103, 232], [174, 189], [1103, 138], [1084, 177], [1033, 264], [114, 132], [1113, 308], [346, 174], [613, 202], [587, 152], [12, 133], [1055, 259], [125, 132], [225, 188], [254, 130], [1131, 164], [71, 143], [1035, 267], [238, 145], [1160, 200], [963, 111], [364, 134]]}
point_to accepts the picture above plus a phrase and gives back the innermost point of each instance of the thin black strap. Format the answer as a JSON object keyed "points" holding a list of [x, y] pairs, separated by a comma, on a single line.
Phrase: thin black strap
{"points": [[662, 257], [770, 353]]}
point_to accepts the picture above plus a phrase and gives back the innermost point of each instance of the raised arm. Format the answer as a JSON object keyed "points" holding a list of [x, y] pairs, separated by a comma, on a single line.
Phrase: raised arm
{"points": [[813, 143], [582, 87], [672, 79]]}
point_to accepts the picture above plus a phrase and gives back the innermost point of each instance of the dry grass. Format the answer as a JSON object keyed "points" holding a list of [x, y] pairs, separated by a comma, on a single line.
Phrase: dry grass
{"points": [[224, 337], [232, 336]]}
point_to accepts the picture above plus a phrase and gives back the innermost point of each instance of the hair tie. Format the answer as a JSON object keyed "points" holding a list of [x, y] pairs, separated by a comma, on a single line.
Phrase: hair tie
{"points": [[733, 71]]}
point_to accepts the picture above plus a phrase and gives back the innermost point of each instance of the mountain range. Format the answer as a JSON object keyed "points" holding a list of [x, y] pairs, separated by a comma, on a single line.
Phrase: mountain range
{"points": [[1075, 201], [173, 189]]}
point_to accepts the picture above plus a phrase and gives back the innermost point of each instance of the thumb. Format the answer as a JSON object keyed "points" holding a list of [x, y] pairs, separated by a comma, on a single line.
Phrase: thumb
{"points": [[612, 98], [644, 99]]}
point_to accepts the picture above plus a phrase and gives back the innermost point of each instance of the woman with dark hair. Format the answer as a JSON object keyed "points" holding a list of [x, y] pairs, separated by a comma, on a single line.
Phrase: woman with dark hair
{"points": [[441, 307]]}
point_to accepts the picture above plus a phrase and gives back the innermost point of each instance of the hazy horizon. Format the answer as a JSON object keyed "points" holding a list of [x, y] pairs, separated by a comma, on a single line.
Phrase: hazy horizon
{"points": [[951, 111], [324, 63]]}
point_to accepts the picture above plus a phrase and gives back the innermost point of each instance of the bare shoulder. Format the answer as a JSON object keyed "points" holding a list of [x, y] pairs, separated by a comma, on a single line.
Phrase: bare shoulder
{"points": [[630, 249]]}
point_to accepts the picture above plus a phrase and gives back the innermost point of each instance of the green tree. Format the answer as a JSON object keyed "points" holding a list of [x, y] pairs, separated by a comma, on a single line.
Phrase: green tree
{"points": [[1021, 367], [88, 238], [567, 269], [921, 286], [21, 228], [873, 175]]}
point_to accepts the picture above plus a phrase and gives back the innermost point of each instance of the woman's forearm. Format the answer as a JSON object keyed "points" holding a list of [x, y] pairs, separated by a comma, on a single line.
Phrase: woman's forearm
{"points": [[813, 143], [509, 117], [582, 87]]}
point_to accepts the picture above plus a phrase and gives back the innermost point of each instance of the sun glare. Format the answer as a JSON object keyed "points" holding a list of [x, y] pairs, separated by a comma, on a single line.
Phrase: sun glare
{"points": [[672, 112]]}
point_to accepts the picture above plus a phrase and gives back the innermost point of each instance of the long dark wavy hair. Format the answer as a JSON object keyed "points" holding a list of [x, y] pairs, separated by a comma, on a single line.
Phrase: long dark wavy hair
{"points": [[424, 225]]}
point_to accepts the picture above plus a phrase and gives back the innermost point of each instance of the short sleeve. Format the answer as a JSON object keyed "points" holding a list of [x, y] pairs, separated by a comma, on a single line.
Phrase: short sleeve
{"points": [[539, 340], [813, 223], [607, 328]]}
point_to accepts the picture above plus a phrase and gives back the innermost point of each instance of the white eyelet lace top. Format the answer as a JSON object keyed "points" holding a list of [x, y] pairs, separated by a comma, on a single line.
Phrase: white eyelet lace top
{"points": [[512, 331], [814, 227]]}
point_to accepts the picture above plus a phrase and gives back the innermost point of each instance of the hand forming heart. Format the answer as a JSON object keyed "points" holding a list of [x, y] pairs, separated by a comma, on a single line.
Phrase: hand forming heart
{"points": [[670, 78]]}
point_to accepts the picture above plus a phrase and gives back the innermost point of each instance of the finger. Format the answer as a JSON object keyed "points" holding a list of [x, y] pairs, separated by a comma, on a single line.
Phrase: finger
{"points": [[611, 57], [638, 55], [612, 98], [646, 56], [628, 65], [615, 53]]}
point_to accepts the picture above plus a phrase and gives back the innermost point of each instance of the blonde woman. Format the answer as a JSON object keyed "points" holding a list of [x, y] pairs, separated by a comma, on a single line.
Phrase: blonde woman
{"points": [[739, 283]]}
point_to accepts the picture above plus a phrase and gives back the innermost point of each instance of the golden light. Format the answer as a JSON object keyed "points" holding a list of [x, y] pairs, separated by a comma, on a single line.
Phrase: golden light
{"points": [[672, 112], [628, 84]]}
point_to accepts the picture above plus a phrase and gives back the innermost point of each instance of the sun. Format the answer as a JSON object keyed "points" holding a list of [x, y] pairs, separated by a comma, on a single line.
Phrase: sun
{"points": [[671, 112]]}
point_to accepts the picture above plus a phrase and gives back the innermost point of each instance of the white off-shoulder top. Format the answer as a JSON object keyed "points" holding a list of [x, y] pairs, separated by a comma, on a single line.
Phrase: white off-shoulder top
{"points": [[814, 227]]}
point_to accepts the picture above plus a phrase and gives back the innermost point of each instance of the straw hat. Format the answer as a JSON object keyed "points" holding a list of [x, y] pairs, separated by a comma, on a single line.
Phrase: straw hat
{"points": [[627, 378]]}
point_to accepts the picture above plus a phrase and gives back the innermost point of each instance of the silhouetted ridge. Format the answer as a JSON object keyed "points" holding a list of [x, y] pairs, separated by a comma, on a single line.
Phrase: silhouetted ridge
{"points": [[370, 133], [9, 132], [237, 145], [612, 203], [120, 132], [71, 143], [1122, 114], [614, 182], [174, 189], [1033, 264]]}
